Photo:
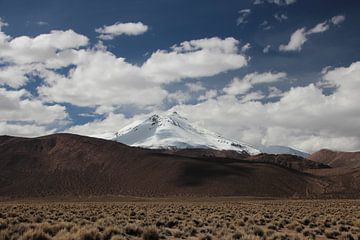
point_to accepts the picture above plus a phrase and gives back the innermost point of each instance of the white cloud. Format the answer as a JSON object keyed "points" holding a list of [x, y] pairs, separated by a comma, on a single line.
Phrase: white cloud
{"points": [[24, 130], [195, 87], [265, 25], [336, 20], [253, 96], [282, 2], [212, 93], [122, 83], [40, 49], [110, 124], [2, 23], [192, 59], [241, 86], [297, 40], [227, 45], [42, 23], [179, 97], [280, 17], [246, 47], [274, 92], [14, 76], [237, 86], [137, 85], [304, 117], [267, 49], [319, 28], [277, 2], [267, 77], [22, 115], [300, 36], [117, 29], [257, 2], [19, 106], [243, 15]]}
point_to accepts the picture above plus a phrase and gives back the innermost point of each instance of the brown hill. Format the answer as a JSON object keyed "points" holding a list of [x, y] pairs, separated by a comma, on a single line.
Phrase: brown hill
{"points": [[337, 159], [72, 165]]}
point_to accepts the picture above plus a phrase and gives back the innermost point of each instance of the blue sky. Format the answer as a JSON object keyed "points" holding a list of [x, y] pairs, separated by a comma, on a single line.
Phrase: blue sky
{"points": [[297, 70]]}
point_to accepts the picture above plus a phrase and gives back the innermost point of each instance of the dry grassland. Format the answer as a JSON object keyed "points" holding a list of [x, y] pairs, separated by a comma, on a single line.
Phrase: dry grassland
{"points": [[175, 219]]}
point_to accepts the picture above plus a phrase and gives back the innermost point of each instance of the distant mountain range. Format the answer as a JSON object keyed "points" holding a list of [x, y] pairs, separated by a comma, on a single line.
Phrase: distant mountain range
{"points": [[70, 165], [172, 131]]}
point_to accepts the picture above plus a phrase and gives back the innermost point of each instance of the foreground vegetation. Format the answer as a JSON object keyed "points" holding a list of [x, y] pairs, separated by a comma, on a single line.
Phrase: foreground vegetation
{"points": [[215, 219]]}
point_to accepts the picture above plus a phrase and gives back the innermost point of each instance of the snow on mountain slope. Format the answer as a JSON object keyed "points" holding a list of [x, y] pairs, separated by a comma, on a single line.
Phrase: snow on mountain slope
{"points": [[282, 150], [174, 131]]}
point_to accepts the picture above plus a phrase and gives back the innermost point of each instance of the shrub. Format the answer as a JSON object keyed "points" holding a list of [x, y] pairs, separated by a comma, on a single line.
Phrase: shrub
{"points": [[258, 231], [88, 234], [238, 235], [133, 230], [35, 234], [109, 232], [151, 234], [332, 234]]}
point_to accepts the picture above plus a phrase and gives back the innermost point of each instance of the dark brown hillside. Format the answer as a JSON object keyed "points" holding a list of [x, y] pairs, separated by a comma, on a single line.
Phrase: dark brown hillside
{"points": [[72, 165]]}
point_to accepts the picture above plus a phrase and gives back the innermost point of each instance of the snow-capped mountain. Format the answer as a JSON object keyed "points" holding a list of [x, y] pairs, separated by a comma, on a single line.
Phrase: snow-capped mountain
{"points": [[174, 131], [282, 150]]}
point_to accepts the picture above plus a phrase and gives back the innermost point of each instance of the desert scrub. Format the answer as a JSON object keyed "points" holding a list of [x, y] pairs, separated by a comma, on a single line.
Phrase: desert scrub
{"points": [[185, 219]]}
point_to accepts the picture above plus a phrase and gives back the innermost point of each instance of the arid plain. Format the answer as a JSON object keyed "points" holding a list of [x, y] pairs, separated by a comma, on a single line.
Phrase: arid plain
{"points": [[211, 218]]}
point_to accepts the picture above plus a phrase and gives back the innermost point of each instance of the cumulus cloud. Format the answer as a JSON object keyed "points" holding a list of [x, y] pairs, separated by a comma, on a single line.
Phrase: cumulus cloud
{"points": [[319, 28], [192, 59], [104, 128], [195, 87], [241, 86], [122, 83], [21, 114], [44, 48], [246, 47], [280, 17], [304, 117], [42, 23], [265, 25], [139, 85], [117, 29], [277, 2], [19, 106], [243, 15], [282, 2], [267, 49], [336, 20], [2, 23], [24, 130], [212, 93], [297, 40], [179, 97], [14, 76], [300, 36], [274, 92]]}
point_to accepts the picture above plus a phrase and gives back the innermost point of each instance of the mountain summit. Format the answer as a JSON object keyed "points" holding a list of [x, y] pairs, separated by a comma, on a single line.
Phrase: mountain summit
{"points": [[174, 131]]}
